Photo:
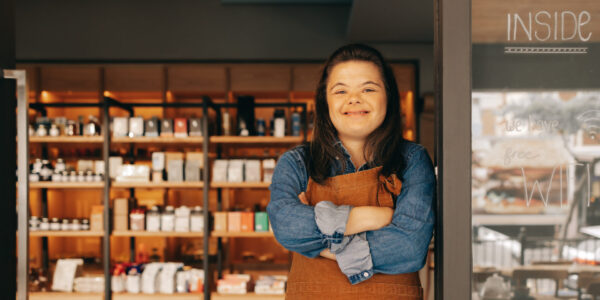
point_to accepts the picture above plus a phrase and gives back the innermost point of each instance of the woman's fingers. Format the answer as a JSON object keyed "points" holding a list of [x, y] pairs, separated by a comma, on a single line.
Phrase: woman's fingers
{"points": [[302, 197]]}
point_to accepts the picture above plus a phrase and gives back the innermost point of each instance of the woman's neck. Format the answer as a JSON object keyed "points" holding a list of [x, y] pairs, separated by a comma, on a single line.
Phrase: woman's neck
{"points": [[355, 149]]}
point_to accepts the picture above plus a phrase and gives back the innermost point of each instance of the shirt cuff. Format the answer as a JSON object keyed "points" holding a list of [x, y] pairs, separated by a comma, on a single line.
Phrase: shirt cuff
{"points": [[331, 221], [355, 259]]}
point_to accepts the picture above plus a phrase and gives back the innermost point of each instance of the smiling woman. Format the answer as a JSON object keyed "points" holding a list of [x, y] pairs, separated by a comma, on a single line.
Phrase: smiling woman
{"points": [[354, 204]]}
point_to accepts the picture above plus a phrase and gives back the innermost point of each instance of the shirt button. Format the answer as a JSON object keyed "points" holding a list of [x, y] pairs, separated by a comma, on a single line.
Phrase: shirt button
{"points": [[366, 274]]}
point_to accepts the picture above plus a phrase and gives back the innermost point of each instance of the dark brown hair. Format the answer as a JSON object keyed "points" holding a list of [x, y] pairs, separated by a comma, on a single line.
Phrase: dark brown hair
{"points": [[382, 146]]}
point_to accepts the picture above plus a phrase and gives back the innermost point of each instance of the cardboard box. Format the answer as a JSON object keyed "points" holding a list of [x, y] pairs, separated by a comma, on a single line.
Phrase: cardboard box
{"points": [[97, 218], [192, 170], [120, 222], [175, 170], [151, 127], [120, 126], [234, 221], [121, 207], [220, 219], [158, 161], [136, 126], [247, 222], [180, 129], [261, 221], [195, 127], [198, 156]]}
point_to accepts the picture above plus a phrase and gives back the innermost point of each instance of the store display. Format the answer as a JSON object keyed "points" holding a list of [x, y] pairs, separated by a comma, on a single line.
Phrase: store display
{"points": [[151, 127]]}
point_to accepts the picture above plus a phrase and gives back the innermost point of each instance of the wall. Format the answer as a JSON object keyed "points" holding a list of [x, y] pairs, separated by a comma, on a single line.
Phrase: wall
{"points": [[190, 30]]}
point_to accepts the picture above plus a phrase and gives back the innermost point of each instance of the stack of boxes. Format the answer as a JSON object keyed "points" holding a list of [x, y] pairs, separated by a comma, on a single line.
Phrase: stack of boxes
{"points": [[241, 221], [121, 214]]}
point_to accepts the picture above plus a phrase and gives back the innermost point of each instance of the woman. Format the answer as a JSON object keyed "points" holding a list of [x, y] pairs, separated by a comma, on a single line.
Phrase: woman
{"points": [[354, 204]]}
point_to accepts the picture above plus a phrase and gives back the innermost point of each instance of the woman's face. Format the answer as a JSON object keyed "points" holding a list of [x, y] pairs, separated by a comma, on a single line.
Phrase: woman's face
{"points": [[356, 98]]}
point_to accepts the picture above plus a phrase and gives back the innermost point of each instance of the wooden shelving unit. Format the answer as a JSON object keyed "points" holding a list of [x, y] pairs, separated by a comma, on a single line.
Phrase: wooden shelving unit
{"points": [[57, 233], [66, 185], [159, 185], [64, 296], [130, 233], [67, 139], [240, 185], [256, 140], [252, 295], [158, 140], [185, 296], [241, 234]]}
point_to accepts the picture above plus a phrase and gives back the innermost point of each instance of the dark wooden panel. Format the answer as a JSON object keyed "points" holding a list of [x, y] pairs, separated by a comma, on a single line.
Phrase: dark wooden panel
{"points": [[70, 78], [134, 78], [260, 78], [405, 77], [306, 77], [197, 78]]}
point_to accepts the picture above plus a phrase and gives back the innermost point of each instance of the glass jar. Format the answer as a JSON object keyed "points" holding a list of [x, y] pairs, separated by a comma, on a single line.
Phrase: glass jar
{"points": [[153, 219], [60, 165], [41, 130], [92, 128], [85, 224], [64, 176], [89, 176], [37, 166], [54, 131], [167, 219], [46, 172], [54, 225], [71, 128], [56, 176], [44, 225], [34, 223], [72, 176], [75, 225], [80, 176], [197, 219], [65, 225]]}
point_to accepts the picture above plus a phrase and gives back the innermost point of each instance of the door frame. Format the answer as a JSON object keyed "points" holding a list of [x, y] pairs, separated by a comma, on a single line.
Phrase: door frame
{"points": [[452, 61]]}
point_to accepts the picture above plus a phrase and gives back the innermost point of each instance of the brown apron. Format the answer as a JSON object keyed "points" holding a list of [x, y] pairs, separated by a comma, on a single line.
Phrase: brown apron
{"points": [[321, 278]]}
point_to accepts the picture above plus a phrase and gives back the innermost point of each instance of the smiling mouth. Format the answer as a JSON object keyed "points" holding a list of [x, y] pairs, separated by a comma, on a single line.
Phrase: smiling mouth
{"points": [[356, 113]]}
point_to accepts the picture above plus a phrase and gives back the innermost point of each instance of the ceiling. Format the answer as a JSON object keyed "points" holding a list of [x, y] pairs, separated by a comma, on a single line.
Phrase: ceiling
{"points": [[375, 21]]}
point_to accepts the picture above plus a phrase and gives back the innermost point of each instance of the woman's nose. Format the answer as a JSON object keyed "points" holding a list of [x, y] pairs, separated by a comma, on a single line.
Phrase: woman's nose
{"points": [[354, 98]]}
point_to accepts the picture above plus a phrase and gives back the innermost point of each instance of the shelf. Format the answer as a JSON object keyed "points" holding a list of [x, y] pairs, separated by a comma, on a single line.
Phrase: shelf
{"points": [[66, 185], [240, 185], [157, 234], [159, 185], [518, 219], [67, 233], [67, 139], [141, 296], [256, 140], [217, 296], [241, 234], [159, 140], [64, 296]]}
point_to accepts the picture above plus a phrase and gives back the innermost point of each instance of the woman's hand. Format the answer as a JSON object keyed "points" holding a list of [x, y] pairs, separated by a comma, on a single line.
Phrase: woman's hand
{"points": [[366, 218], [327, 254]]}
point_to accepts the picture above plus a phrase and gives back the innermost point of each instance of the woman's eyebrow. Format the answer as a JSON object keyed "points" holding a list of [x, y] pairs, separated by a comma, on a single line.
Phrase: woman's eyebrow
{"points": [[339, 83], [371, 82]]}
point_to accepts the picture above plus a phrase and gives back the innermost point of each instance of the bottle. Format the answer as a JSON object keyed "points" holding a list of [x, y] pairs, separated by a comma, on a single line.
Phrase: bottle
{"points": [[60, 165], [295, 124], [154, 257], [34, 223], [41, 130], [80, 125], [261, 127], [54, 225], [44, 225], [46, 171], [279, 123], [85, 224], [153, 219], [54, 131], [226, 124], [167, 219], [92, 128], [65, 225], [197, 220]]}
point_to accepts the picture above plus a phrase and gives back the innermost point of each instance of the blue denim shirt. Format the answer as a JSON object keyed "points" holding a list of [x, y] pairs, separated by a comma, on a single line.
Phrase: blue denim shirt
{"points": [[400, 247]]}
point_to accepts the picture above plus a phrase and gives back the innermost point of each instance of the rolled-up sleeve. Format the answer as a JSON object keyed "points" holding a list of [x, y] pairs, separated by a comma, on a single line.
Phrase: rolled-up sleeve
{"points": [[292, 221], [401, 246]]}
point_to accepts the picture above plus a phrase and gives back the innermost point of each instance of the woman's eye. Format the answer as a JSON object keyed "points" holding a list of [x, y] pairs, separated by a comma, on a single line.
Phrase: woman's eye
{"points": [[369, 90], [339, 92]]}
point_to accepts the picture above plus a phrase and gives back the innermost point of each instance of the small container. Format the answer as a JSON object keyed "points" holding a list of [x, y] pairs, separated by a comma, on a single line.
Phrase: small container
{"points": [[60, 165], [97, 177], [133, 281], [167, 219], [80, 176], [85, 224], [56, 176], [73, 176], [31, 131], [54, 225], [37, 166], [71, 128], [279, 123], [136, 220], [153, 220], [197, 219], [92, 128], [296, 124], [64, 176], [75, 225], [34, 223], [44, 225], [261, 127], [41, 130], [89, 176], [46, 172], [65, 225], [54, 131], [226, 123], [34, 177]]}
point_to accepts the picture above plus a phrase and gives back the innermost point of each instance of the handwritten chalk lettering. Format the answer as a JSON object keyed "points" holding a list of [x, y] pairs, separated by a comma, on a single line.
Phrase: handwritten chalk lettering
{"points": [[543, 26], [542, 125], [510, 155], [546, 197], [512, 125]]}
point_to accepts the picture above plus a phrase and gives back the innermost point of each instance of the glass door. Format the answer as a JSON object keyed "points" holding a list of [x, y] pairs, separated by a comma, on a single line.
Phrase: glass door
{"points": [[535, 149]]}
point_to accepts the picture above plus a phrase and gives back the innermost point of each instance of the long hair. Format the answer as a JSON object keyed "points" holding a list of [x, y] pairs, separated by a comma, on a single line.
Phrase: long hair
{"points": [[382, 146]]}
